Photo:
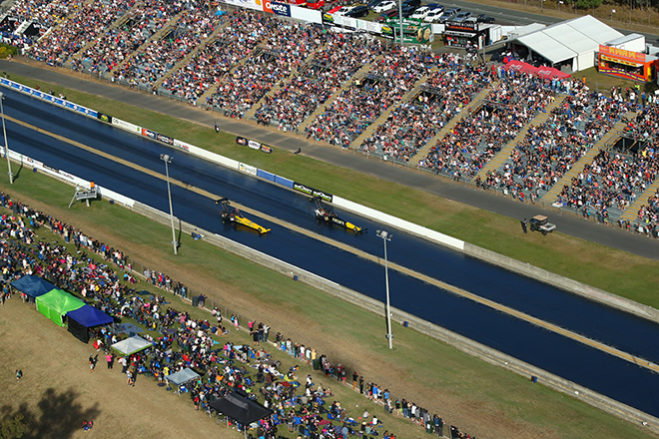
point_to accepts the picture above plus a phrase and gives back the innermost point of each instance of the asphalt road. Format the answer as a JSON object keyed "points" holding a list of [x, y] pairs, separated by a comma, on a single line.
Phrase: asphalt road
{"points": [[516, 17], [566, 223]]}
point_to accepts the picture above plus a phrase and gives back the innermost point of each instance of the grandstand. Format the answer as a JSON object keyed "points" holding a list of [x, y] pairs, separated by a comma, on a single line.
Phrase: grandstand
{"points": [[526, 137]]}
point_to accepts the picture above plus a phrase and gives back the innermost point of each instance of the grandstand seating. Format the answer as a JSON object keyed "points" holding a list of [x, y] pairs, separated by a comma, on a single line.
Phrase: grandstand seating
{"points": [[356, 91]]}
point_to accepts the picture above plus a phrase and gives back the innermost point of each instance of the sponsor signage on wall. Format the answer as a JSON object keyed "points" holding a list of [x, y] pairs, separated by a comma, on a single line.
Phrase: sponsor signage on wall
{"points": [[276, 8], [311, 191]]}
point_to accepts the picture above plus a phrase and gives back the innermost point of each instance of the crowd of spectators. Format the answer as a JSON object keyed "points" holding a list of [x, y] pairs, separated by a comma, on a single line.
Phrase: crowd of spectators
{"points": [[513, 101], [549, 150], [444, 95], [255, 53], [46, 13], [116, 44], [393, 74], [147, 66], [647, 221], [273, 61], [645, 126], [341, 56], [87, 23], [611, 180], [180, 341], [236, 41]]}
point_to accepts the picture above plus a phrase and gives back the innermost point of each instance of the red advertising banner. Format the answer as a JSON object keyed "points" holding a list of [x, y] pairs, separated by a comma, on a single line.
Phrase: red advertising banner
{"points": [[626, 55]]}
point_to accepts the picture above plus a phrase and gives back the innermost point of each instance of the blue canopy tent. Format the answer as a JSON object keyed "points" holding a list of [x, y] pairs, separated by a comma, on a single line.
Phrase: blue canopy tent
{"points": [[32, 285], [85, 317]]}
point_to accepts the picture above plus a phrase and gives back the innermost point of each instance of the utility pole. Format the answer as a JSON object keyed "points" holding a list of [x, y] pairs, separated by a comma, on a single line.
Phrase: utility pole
{"points": [[4, 132], [168, 159], [386, 237]]}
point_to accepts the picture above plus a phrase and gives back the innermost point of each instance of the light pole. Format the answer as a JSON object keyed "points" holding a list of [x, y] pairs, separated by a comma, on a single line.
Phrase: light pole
{"points": [[386, 237], [400, 20], [4, 132], [168, 159]]}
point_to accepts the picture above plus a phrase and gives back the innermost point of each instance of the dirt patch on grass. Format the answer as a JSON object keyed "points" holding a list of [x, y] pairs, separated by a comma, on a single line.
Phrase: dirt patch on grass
{"points": [[60, 392]]}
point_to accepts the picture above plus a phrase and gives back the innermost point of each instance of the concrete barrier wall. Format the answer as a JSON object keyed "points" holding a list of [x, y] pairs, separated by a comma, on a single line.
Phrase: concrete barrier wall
{"points": [[399, 223], [508, 263], [67, 178], [570, 285]]}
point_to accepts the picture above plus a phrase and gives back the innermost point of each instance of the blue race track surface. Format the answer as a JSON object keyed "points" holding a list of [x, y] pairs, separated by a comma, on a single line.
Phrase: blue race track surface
{"points": [[589, 367]]}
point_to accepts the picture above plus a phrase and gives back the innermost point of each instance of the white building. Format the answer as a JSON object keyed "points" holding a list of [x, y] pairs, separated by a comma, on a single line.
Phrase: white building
{"points": [[571, 45]]}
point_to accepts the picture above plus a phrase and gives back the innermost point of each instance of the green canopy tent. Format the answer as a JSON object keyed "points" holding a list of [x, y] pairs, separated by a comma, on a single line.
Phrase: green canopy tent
{"points": [[56, 303]]}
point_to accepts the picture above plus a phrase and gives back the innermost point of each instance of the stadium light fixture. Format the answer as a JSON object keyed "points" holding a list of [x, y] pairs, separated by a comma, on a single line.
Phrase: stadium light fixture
{"points": [[168, 159], [386, 237], [4, 132]]}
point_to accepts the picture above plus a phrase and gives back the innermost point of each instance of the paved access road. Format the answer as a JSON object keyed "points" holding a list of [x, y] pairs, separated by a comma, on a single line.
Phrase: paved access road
{"points": [[521, 18], [566, 223]]}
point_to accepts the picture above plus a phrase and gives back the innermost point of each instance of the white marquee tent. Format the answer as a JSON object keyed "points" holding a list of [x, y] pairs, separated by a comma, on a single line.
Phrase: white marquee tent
{"points": [[573, 42], [131, 345]]}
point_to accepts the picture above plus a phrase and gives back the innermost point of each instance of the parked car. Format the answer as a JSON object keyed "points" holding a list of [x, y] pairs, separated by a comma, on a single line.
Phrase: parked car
{"points": [[448, 14], [421, 13], [315, 4], [461, 16], [540, 223], [385, 6], [408, 11], [344, 10], [357, 11], [484, 19], [433, 16], [411, 3], [374, 3], [392, 13]]}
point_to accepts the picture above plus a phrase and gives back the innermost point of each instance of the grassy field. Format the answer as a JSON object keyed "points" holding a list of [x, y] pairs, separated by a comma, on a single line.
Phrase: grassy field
{"points": [[482, 399], [619, 272]]}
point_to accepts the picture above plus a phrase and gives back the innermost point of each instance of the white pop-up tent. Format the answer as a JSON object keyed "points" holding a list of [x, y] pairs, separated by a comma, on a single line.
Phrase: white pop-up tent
{"points": [[131, 345], [183, 376]]}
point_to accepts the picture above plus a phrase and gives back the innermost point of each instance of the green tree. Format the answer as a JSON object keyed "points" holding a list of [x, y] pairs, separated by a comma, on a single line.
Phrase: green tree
{"points": [[13, 427]]}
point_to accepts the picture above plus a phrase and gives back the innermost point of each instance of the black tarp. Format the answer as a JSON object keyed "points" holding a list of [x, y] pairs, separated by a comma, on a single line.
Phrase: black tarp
{"points": [[79, 331], [239, 407], [81, 319]]}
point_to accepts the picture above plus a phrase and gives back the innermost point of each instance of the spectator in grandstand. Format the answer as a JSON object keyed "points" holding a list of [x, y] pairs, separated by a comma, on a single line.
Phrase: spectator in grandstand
{"points": [[415, 122], [393, 75]]}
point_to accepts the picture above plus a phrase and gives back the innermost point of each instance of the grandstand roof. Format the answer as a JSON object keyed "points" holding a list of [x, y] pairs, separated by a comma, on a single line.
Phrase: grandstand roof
{"points": [[565, 40]]}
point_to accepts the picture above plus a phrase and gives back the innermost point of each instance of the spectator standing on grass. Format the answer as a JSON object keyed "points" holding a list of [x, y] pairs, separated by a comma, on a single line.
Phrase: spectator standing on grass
{"points": [[19, 375], [109, 359]]}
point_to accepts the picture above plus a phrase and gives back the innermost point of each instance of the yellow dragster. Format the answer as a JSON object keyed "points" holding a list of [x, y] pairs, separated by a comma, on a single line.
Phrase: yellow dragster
{"points": [[232, 215]]}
